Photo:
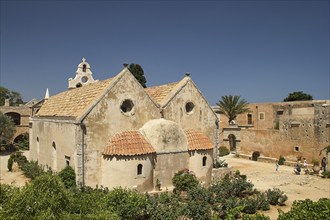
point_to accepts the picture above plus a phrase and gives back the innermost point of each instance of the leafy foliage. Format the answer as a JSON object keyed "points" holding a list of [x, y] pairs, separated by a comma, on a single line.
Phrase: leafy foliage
{"points": [[45, 198], [231, 106], [281, 160], [31, 169], [68, 177], [138, 73], [16, 157], [298, 96], [223, 151], [255, 155], [7, 128], [276, 196], [184, 180], [23, 141], [307, 209], [256, 216], [165, 206], [14, 97], [128, 204]]}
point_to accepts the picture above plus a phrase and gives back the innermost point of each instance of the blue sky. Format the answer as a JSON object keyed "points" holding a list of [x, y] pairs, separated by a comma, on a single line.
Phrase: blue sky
{"points": [[261, 50]]}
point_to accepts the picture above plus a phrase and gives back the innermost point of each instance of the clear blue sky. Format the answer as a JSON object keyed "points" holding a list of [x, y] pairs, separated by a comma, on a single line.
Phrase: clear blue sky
{"points": [[261, 50]]}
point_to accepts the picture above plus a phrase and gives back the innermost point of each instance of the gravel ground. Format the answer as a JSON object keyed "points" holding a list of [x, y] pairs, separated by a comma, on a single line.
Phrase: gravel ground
{"points": [[296, 187]]}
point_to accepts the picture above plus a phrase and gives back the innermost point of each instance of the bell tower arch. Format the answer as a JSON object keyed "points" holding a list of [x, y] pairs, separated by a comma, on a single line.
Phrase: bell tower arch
{"points": [[83, 76]]}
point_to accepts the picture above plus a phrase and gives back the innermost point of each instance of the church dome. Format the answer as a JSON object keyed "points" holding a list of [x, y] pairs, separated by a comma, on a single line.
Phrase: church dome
{"points": [[165, 136]]}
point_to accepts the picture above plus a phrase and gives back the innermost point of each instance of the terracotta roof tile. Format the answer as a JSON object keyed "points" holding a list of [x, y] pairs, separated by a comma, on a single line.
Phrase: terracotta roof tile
{"points": [[159, 93], [128, 143], [73, 103], [197, 140]]}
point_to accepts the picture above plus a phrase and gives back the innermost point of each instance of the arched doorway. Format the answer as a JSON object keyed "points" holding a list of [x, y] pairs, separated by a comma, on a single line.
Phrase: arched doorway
{"points": [[232, 142]]}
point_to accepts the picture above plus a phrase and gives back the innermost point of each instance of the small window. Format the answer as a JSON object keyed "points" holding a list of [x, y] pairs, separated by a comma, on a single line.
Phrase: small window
{"points": [[189, 107], [67, 160], [249, 119], [296, 149], [261, 116], [84, 68], [78, 85], [204, 161], [84, 79], [127, 105], [139, 169]]}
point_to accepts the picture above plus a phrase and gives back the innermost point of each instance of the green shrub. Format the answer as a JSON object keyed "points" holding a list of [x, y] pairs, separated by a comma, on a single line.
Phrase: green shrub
{"points": [[276, 196], [128, 204], [326, 174], [307, 209], [68, 177], [165, 206], [220, 163], [223, 151], [10, 164], [257, 216], [16, 157], [32, 170], [255, 155], [23, 142], [281, 160], [184, 180]]}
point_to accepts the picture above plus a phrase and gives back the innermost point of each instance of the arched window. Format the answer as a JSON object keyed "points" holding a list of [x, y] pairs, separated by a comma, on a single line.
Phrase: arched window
{"points": [[15, 116], [84, 68], [139, 169], [54, 156], [204, 161], [38, 146]]}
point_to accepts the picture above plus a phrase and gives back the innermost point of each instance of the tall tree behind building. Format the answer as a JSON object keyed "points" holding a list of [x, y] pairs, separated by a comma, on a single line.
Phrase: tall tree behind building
{"points": [[298, 96], [231, 106], [138, 73], [14, 97]]}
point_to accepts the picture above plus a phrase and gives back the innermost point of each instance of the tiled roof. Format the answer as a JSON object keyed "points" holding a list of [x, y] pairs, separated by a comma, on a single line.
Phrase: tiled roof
{"points": [[159, 93], [74, 102], [128, 143], [197, 140]]}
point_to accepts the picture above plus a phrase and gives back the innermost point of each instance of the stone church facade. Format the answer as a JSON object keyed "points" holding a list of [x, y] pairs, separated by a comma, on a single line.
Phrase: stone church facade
{"points": [[116, 133]]}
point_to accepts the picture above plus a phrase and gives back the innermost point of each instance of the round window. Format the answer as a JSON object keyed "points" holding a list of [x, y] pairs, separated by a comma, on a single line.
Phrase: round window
{"points": [[84, 79], [127, 106], [189, 107]]}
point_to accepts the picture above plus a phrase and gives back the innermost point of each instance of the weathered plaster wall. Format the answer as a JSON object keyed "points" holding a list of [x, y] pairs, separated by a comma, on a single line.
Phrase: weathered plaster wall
{"points": [[201, 117], [166, 165], [63, 135], [203, 173], [122, 171]]}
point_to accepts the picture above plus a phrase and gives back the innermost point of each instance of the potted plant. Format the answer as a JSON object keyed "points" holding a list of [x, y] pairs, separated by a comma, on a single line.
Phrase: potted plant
{"points": [[316, 165], [158, 185]]}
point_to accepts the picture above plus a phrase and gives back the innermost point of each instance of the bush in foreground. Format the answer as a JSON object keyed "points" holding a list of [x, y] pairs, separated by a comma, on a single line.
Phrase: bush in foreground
{"points": [[307, 209]]}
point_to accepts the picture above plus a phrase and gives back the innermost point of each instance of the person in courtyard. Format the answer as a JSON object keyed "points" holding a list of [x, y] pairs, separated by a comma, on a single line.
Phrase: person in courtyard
{"points": [[305, 163], [324, 164], [277, 165], [297, 169]]}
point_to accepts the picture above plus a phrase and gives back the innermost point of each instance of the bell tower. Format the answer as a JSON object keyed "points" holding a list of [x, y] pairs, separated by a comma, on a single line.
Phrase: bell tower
{"points": [[83, 76]]}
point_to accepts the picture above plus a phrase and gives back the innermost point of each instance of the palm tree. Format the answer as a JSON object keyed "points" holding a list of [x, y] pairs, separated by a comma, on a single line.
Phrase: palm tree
{"points": [[232, 106]]}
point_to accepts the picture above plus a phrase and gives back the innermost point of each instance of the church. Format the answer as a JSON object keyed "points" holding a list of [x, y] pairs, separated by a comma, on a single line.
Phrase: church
{"points": [[114, 132]]}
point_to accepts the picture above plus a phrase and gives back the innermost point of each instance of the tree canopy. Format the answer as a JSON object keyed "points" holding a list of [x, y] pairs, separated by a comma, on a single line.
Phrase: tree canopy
{"points": [[14, 97], [138, 73], [298, 96], [232, 106], [7, 128]]}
